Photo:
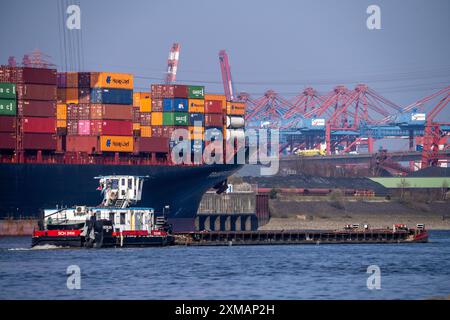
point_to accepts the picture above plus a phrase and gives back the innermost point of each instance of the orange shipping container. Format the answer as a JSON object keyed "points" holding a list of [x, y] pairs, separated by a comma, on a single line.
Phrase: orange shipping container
{"points": [[72, 95], [116, 143], [236, 108], [61, 112], [136, 99], [61, 123], [111, 80], [146, 104], [157, 118], [196, 105], [220, 97], [146, 131], [136, 126]]}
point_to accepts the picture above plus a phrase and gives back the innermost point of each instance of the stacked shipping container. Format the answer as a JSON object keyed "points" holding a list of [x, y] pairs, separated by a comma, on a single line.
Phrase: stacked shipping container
{"points": [[8, 110], [96, 110], [29, 98]]}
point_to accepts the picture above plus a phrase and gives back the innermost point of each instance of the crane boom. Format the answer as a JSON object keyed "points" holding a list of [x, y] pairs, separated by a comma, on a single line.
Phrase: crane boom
{"points": [[172, 63], [226, 75]]}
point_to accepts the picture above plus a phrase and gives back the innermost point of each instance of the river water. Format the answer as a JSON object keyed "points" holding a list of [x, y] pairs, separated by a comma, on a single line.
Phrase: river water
{"points": [[407, 271]]}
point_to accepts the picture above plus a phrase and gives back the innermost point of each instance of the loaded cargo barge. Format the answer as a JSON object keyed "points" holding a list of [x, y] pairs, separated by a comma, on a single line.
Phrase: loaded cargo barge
{"points": [[398, 234]]}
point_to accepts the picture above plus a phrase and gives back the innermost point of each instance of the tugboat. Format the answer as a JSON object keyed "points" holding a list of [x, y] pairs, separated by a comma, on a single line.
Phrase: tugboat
{"points": [[114, 223]]}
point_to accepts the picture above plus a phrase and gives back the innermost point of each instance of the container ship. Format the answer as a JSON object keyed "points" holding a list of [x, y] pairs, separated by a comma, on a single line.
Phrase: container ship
{"points": [[60, 130]]}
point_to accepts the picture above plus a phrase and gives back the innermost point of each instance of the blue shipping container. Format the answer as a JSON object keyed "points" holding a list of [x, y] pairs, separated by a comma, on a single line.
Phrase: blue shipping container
{"points": [[167, 105], [180, 105], [177, 105], [111, 96], [196, 117]]}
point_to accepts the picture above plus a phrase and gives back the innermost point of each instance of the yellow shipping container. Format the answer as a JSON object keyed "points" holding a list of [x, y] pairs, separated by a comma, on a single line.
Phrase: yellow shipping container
{"points": [[196, 105], [236, 108], [146, 131], [143, 101], [116, 143], [111, 80], [157, 118], [136, 99], [146, 104], [61, 111], [197, 132], [61, 123]]}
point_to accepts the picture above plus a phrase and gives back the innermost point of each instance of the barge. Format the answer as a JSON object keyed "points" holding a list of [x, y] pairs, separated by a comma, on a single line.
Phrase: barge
{"points": [[398, 234]]}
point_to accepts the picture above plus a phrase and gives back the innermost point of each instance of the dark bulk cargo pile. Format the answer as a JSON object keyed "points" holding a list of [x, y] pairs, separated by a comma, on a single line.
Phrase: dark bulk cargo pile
{"points": [[27, 109]]}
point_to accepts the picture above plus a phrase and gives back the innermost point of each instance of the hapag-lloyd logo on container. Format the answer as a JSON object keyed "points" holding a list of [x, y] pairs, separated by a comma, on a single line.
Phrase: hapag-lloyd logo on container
{"points": [[112, 80], [117, 144]]}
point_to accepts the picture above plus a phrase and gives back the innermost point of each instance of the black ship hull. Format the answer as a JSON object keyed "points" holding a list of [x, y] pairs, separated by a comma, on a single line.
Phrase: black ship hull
{"points": [[26, 189]]}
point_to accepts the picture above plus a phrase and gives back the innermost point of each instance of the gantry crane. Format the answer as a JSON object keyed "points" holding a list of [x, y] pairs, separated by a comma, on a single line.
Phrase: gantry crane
{"points": [[172, 63]]}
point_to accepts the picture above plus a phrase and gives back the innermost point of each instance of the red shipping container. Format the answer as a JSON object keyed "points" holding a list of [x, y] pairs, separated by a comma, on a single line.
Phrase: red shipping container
{"points": [[36, 92], [157, 105], [33, 108], [84, 95], [39, 141], [262, 208], [180, 91], [7, 140], [39, 125], [153, 144], [87, 144], [214, 120], [213, 106], [7, 124], [117, 128], [111, 112], [27, 75]]}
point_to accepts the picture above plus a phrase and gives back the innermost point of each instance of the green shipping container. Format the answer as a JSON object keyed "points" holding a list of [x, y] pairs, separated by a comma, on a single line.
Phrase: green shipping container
{"points": [[196, 92], [175, 119], [8, 107], [7, 91]]}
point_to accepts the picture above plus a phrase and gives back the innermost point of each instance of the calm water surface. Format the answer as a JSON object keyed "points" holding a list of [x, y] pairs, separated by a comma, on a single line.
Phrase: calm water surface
{"points": [[408, 271]]}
